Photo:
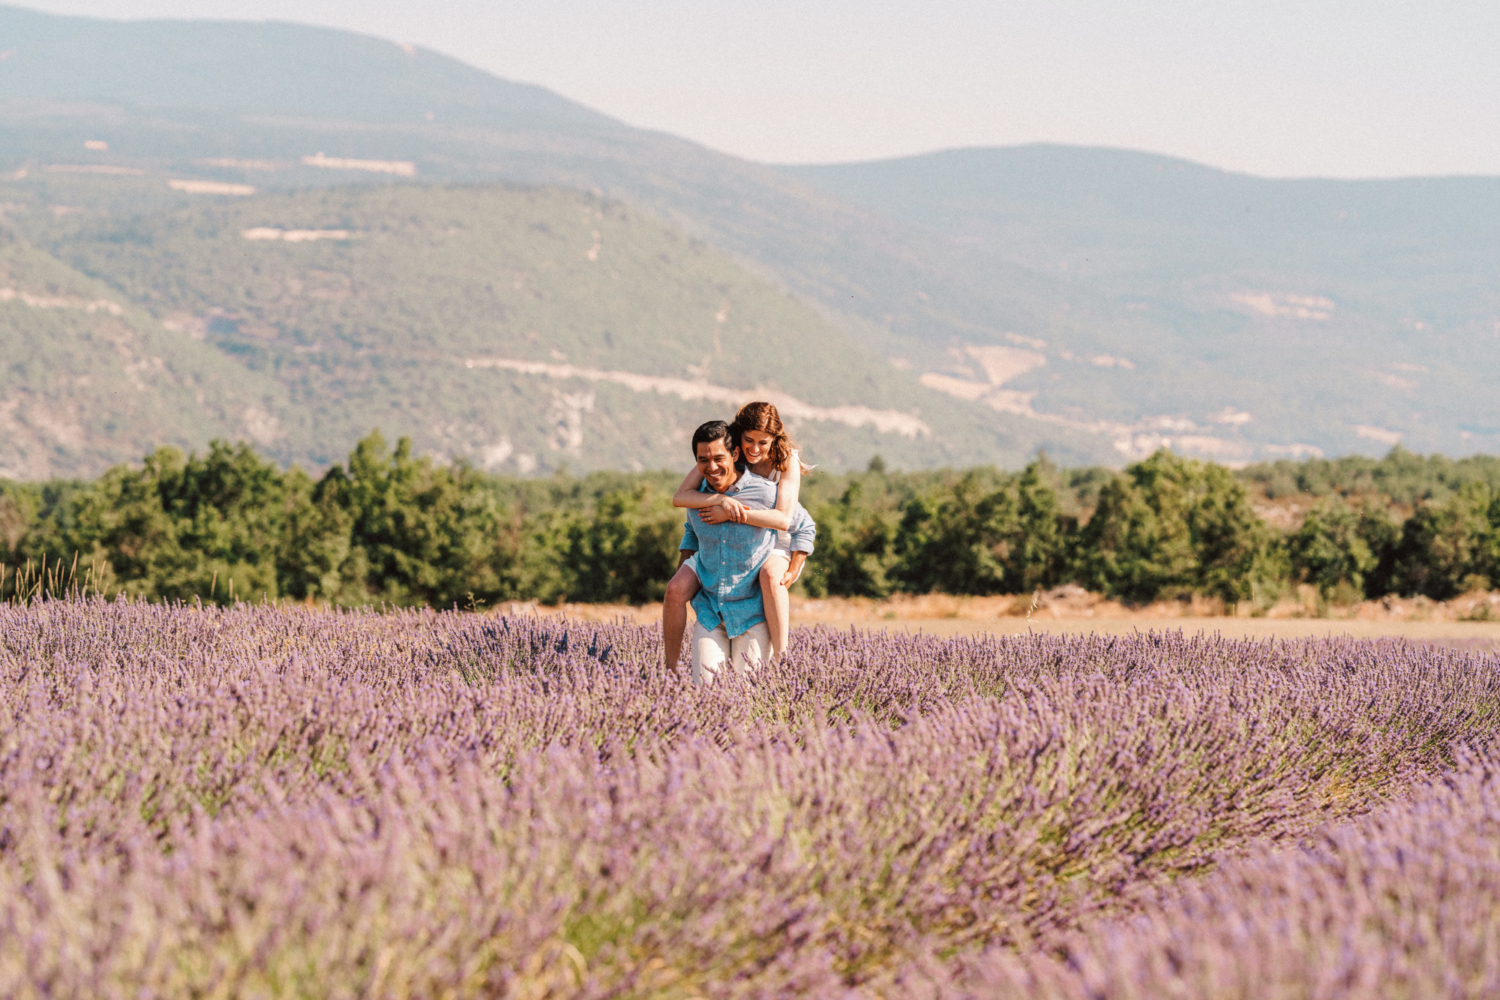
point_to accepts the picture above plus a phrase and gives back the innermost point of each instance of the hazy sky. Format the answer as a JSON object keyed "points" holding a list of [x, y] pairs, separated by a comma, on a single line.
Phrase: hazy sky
{"points": [[1312, 87]]}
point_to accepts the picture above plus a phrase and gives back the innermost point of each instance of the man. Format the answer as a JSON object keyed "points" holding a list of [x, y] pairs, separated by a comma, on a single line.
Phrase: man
{"points": [[731, 626]]}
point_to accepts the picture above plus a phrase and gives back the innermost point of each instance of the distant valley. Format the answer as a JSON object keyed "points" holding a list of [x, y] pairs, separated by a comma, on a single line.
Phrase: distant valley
{"points": [[528, 284]]}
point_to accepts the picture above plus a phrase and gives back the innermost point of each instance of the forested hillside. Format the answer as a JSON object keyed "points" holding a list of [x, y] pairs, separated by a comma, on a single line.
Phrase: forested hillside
{"points": [[523, 328], [1098, 303], [87, 378], [393, 527]]}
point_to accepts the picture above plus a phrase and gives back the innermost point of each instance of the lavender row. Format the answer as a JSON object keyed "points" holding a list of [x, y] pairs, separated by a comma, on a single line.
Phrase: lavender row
{"points": [[288, 803], [1399, 904]]}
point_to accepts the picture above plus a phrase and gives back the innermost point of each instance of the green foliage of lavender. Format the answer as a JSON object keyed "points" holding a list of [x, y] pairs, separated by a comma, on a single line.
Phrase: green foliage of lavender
{"points": [[390, 527], [288, 802]]}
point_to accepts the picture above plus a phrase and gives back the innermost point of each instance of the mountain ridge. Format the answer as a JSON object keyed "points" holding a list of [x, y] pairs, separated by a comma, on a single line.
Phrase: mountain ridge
{"points": [[260, 66]]}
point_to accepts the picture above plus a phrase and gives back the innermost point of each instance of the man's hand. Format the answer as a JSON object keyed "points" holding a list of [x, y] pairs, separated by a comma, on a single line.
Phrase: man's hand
{"points": [[727, 509]]}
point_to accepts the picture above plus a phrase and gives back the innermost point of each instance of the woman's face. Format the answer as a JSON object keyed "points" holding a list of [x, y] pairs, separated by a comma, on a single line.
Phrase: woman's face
{"points": [[756, 445]]}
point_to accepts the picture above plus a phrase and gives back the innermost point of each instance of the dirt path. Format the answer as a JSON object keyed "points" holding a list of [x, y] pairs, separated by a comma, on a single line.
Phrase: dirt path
{"points": [[1074, 611]]}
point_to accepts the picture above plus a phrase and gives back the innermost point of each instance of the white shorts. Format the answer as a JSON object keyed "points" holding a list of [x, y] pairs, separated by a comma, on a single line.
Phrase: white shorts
{"points": [[783, 548], [712, 649]]}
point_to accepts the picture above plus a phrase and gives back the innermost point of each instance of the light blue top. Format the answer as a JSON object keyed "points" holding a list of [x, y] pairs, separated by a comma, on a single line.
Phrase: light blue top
{"points": [[729, 559]]}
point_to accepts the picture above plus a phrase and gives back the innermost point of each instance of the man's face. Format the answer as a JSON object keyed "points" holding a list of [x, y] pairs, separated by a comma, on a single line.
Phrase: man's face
{"points": [[716, 463]]}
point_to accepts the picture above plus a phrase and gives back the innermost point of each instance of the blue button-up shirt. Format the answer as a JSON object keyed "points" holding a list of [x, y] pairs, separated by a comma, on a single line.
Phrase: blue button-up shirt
{"points": [[803, 532], [729, 559]]}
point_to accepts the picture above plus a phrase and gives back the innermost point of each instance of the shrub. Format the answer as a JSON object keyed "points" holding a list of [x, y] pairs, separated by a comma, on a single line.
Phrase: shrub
{"points": [[1329, 550], [1442, 544]]}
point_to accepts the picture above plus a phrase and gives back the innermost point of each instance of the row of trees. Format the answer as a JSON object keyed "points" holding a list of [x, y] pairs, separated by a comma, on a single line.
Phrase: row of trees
{"points": [[391, 527], [386, 527], [1167, 527]]}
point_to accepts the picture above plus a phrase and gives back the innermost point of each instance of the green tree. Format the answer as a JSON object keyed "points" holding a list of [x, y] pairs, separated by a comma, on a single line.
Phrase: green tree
{"points": [[1039, 549], [853, 548], [1382, 535], [417, 533], [1329, 550], [1172, 526], [625, 551], [964, 540], [19, 505], [1448, 547], [179, 527], [958, 542], [387, 526]]}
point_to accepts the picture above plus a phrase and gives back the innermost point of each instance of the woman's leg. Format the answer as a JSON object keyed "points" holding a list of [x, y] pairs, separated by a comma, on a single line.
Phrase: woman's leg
{"points": [[674, 612], [778, 606]]}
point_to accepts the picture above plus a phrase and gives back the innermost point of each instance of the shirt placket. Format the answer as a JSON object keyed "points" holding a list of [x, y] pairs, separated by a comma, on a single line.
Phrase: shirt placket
{"points": [[724, 566], [723, 587]]}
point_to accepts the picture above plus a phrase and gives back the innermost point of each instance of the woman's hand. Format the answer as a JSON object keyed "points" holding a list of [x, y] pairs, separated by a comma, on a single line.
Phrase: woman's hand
{"points": [[727, 509], [793, 567]]}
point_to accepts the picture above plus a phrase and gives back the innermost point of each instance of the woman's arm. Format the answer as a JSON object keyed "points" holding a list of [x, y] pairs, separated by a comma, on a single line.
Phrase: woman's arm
{"points": [[788, 488], [780, 516], [688, 495], [767, 519]]}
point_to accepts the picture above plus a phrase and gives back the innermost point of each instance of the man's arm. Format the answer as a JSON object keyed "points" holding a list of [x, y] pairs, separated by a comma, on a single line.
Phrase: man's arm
{"points": [[683, 555], [804, 532]]}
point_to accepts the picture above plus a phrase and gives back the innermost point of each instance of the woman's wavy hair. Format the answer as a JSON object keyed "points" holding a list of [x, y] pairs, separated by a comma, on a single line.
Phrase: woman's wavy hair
{"points": [[763, 417]]}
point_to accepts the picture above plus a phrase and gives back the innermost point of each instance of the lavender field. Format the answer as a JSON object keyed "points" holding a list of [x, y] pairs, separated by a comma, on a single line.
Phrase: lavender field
{"points": [[264, 802]]}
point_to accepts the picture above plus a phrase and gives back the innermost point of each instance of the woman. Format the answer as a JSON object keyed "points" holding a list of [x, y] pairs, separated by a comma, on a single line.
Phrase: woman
{"points": [[767, 451]]}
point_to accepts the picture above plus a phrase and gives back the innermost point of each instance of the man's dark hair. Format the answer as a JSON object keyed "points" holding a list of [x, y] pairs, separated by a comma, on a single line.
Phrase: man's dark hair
{"points": [[714, 430]]}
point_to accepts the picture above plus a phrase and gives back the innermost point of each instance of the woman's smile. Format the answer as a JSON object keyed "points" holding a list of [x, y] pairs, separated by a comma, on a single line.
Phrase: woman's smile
{"points": [[756, 445]]}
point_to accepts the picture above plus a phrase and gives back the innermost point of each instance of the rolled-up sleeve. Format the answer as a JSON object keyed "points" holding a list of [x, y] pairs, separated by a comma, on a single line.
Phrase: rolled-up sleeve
{"points": [[689, 536], [804, 532]]}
